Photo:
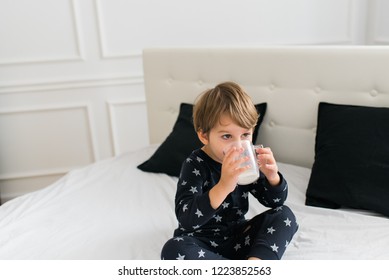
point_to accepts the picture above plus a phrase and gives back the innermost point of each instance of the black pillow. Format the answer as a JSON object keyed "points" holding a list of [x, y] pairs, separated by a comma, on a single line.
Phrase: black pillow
{"points": [[183, 139], [351, 167]]}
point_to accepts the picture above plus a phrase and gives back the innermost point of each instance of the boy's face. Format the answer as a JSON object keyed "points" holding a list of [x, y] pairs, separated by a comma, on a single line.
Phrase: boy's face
{"points": [[219, 139]]}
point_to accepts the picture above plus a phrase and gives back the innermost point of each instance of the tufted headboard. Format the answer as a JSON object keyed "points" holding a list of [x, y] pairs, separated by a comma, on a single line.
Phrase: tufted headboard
{"points": [[292, 80]]}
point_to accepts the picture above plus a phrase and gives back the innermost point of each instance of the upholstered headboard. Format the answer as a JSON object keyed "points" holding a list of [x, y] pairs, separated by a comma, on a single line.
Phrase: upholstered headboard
{"points": [[292, 80]]}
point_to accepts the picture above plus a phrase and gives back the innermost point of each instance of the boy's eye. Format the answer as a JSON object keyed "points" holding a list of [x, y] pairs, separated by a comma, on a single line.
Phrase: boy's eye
{"points": [[226, 136], [246, 135]]}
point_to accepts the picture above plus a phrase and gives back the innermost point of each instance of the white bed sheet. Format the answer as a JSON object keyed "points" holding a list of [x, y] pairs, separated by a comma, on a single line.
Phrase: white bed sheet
{"points": [[112, 210]]}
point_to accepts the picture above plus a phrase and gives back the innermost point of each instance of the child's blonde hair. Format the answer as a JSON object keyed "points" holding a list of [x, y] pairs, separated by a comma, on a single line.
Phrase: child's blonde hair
{"points": [[225, 98]]}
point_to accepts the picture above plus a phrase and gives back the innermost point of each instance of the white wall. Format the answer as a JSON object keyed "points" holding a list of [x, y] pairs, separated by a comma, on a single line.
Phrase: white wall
{"points": [[71, 84]]}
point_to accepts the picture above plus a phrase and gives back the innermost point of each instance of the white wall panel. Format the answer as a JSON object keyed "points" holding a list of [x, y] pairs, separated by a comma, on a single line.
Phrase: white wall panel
{"points": [[33, 141], [11, 188], [40, 141], [128, 125], [38, 31], [125, 29], [379, 22]]}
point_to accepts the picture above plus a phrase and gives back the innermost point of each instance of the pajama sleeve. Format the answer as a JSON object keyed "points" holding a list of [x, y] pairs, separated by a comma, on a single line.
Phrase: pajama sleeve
{"points": [[270, 196], [193, 208]]}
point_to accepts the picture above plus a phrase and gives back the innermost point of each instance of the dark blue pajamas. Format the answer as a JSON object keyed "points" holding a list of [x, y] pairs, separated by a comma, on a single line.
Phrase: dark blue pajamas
{"points": [[224, 233]]}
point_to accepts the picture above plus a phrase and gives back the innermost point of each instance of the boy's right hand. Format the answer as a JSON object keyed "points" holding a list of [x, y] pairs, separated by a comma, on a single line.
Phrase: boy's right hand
{"points": [[231, 168], [229, 176]]}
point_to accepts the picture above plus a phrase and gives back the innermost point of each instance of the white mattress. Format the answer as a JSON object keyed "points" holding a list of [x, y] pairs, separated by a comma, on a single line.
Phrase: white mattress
{"points": [[112, 210]]}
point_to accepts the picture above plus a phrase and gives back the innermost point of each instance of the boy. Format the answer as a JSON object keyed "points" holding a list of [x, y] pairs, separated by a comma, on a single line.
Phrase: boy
{"points": [[210, 206]]}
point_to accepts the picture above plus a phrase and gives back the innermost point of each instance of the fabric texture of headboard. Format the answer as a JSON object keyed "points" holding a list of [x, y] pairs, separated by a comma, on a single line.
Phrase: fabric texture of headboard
{"points": [[291, 80]]}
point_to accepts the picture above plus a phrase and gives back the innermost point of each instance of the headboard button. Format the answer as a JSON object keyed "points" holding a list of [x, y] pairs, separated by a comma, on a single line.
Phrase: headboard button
{"points": [[373, 93], [172, 110]]}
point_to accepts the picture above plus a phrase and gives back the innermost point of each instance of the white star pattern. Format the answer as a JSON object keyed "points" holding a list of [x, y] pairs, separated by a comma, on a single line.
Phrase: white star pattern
{"points": [[199, 213], [196, 226], [188, 160], [185, 207], [237, 247], [199, 159], [183, 183], [180, 257], [179, 238], [287, 222], [214, 244], [193, 190], [196, 172], [286, 243], [247, 240], [278, 208], [270, 230], [245, 195], [201, 253], [225, 205], [274, 247], [218, 218], [239, 212], [277, 200]]}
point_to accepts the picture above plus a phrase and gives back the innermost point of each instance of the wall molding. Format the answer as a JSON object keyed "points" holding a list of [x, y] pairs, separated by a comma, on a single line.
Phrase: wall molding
{"points": [[57, 170], [349, 35], [71, 83], [79, 56], [111, 105], [374, 38], [34, 174], [104, 52], [381, 41]]}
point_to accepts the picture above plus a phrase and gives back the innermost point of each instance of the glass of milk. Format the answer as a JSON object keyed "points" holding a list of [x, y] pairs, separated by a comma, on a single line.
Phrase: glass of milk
{"points": [[251, 174]]}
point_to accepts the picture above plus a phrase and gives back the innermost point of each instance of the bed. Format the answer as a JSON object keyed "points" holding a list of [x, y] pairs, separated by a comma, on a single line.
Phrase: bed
{"points": [[325, 118]]}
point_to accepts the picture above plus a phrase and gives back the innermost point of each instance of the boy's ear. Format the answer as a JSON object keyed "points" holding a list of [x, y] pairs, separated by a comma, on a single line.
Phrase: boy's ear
{"points": [[203, 137]]}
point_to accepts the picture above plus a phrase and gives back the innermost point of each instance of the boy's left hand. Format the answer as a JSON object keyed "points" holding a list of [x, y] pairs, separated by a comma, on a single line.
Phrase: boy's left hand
{"points": [[268, 165]]}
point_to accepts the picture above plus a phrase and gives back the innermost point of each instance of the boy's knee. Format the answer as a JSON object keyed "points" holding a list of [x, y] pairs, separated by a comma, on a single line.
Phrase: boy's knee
{"points": [[289, 218], [287, 212], [180, 245], [169, 249]]}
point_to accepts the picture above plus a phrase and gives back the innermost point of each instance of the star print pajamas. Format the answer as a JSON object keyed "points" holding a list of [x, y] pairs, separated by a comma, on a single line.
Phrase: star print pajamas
{"points": [[224, 233]]}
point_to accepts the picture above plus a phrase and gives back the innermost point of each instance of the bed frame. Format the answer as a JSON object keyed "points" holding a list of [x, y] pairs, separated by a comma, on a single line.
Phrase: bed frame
{"points": [[292, 80]]}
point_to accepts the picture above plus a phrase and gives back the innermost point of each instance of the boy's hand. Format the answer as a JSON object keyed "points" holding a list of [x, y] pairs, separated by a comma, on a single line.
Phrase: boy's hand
{"points": [[231, 168], [229, 177], [268, 165]]}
